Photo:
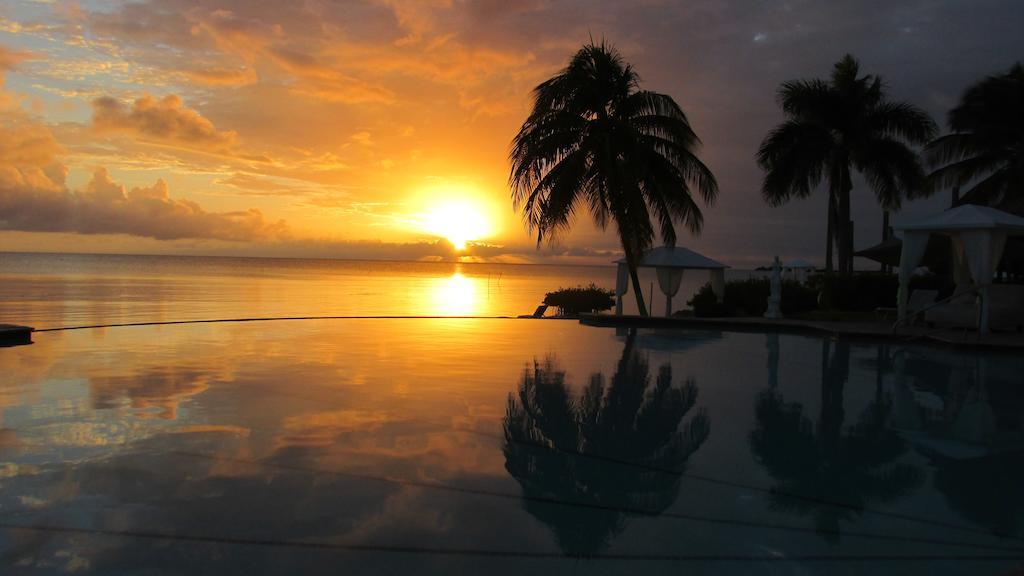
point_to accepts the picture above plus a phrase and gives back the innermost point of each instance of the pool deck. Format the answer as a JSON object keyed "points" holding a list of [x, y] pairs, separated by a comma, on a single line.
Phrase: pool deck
{"points": [[878, 330]]}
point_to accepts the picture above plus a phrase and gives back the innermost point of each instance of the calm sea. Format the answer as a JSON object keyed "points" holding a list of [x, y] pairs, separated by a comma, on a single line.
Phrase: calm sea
{"points": [[51, 290]]}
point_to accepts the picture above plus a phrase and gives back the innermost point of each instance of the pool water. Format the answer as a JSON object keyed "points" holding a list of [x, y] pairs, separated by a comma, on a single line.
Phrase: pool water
{"points": [[390, 446]]}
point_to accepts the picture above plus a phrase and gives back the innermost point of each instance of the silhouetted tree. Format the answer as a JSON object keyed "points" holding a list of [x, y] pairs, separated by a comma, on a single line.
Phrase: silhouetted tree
{"points": [[580, 449], [594, 141], [827, 463], [986, 146], [837, 126]]}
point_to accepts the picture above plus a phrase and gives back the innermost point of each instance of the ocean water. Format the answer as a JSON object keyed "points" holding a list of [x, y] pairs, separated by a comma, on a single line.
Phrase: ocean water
{"points": [[54, 290], [503, 446]]}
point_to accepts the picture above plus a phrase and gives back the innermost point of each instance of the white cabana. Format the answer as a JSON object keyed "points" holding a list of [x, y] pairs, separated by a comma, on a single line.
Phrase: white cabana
{"points": [[670, 263], [978, 236]]}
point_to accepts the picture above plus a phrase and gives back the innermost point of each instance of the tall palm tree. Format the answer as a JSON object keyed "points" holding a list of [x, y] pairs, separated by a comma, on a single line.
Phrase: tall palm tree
{"points": [[986, 146], [617, 450], [826, 469], [595, 141], [832, 128]]}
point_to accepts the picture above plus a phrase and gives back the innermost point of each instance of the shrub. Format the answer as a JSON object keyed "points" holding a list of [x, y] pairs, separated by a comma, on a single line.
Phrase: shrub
{"points": [[705, 304], [572, 301], [750, 298], [863, 291]]}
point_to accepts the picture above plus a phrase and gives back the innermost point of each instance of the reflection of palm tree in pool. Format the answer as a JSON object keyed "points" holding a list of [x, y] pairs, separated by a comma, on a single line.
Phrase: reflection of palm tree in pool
{"points": [[827, 463], [560, 447]]}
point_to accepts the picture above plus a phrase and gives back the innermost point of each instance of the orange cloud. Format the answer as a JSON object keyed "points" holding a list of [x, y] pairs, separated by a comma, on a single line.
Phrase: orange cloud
{"points": [[35, 203], [221, 76], [34, 198], [154, 392], [10, 58], [163, 121]]}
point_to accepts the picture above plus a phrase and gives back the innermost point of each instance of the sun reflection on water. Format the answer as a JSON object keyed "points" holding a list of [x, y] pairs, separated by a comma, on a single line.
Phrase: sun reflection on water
{"points": [[455, 295]]}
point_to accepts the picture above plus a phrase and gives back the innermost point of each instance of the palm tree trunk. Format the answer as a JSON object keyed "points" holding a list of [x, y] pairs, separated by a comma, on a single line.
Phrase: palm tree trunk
{"points": [[631, 263], [830, 232], [885, 234], [845, 226]]}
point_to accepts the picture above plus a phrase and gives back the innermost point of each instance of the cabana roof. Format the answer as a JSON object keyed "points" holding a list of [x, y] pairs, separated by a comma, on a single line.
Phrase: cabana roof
{"points": [[966, 217], [677, 257]]}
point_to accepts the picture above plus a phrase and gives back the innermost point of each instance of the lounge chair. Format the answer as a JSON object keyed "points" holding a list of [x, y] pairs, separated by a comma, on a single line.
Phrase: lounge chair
{"points": [[918, 301], [1006, 309], [538, 313], [921, 299]]}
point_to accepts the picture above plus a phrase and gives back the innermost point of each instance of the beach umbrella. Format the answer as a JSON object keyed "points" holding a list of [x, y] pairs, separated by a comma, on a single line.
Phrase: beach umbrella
{"points": [[798, 267], [936, 257]]}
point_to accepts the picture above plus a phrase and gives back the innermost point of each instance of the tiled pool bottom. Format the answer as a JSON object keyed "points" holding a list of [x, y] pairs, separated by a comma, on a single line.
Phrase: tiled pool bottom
{"points": [[505, 447]]}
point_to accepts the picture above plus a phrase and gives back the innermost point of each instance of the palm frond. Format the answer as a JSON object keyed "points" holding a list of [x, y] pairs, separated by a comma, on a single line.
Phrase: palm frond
{"points": [[901, 120], [793, 156], [595, 141], [892, 170], [807, 99]]}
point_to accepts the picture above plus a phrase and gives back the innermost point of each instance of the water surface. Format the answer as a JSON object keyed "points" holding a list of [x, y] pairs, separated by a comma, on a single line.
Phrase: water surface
{"points": [[51, 290], [506, 447]]}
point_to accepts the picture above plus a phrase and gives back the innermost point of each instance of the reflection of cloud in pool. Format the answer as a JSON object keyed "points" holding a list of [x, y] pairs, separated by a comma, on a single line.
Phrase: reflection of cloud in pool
{"points": [[153, 392]]}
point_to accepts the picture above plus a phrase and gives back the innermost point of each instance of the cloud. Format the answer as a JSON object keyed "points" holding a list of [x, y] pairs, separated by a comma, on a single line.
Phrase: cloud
{"points": [[166, 120], [34, 198], [9, 59], [221, 76], [425, 250], [151, 392]]}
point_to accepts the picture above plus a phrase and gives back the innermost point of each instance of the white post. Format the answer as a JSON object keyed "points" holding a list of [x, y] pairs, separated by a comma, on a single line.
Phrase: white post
{"points": [[621, 286], [914, 244], [717, 277]]}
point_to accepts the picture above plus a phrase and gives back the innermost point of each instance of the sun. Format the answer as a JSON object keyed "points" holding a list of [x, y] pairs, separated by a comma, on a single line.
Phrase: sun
{"points": [[458, 221]]}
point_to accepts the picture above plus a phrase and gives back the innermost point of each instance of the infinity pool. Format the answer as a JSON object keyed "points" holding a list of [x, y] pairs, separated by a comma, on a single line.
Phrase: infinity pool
{"points": [[504, 447]]}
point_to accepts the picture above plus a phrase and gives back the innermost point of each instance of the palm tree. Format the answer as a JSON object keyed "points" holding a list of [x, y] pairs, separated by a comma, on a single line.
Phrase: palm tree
{"points": [[986, 146], [828, 470], [595, 141], [617, 450], [837, 126]]}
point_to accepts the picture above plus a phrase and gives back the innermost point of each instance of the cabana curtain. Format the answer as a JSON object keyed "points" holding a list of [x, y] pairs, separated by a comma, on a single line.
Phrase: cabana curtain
{"points": [[978, 236], [669, 280], [914, 244], [621, 285]]}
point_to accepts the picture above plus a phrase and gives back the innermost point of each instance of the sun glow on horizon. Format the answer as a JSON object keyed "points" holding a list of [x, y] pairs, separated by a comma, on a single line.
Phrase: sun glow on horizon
{"points": [[459, 221]]}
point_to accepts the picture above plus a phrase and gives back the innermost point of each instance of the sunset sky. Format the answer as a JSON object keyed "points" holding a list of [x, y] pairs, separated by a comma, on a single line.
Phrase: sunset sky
{"points": [[367, 129]]}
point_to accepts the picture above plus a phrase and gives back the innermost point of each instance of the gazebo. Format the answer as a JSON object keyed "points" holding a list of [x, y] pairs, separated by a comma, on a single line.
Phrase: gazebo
{"points": [[670, 262], [798, 268], [978, 235]]}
